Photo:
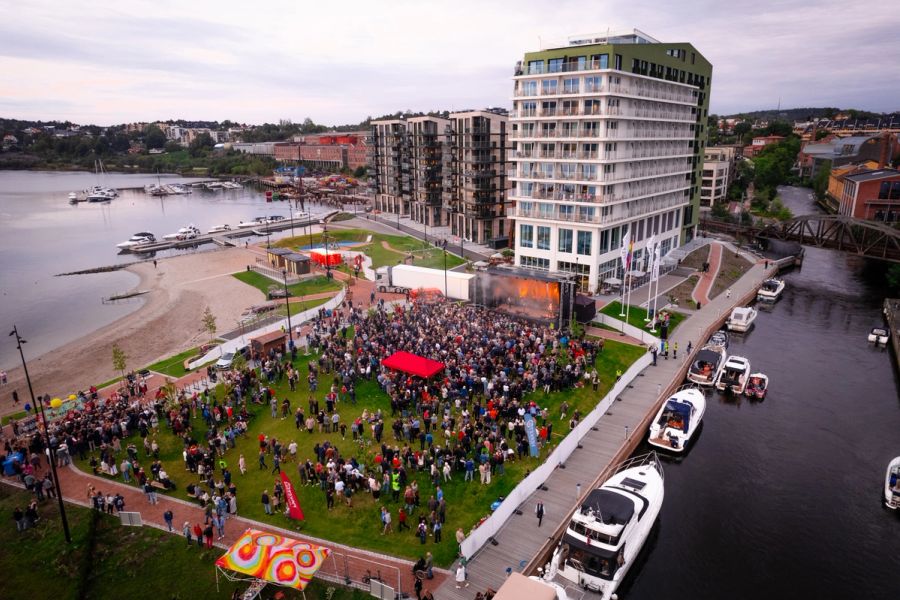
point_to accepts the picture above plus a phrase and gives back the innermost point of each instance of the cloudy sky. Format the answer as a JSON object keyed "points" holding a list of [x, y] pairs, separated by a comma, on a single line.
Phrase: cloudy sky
{"points": [[337, 62]]}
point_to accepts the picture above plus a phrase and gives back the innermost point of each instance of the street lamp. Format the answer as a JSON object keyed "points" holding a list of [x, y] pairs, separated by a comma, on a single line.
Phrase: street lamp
{"points": [[287, 305], [39, 403]]}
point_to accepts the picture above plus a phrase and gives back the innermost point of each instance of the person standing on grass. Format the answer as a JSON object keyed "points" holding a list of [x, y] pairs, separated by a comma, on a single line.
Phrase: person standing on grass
{"points": [[168, 517], [422, 530], [242, 464], [386, 519], [436, 528], [267, 506], [262, 460], [198, 533], [19, 518]]}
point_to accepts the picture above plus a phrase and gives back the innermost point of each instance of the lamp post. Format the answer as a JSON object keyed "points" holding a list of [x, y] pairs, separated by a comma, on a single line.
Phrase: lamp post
{"points": [[287, 305], [39, 403], [309, 229], [444, 245], [325, 241]]}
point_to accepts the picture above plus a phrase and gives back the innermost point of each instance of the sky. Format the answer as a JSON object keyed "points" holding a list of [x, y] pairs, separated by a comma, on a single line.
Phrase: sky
{"points": [[339, 62]]}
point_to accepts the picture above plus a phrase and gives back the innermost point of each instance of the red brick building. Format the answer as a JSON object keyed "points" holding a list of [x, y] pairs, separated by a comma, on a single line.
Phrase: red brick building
{"points": [[759, 143], [872, 195], [287, 151]]}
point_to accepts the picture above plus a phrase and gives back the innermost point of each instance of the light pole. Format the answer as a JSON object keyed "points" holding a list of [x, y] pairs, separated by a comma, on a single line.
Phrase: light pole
{"points": [[444, 245], [309, 229], [39, 403], [287, 304], [325, 241]]}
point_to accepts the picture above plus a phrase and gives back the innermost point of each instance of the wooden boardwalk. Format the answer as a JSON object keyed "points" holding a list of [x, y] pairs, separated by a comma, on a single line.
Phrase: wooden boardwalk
{"points": [[521, 544]]}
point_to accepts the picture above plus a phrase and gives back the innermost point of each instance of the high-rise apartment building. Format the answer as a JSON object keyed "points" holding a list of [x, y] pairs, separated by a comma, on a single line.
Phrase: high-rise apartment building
{"points": [[444, 172], [608, 134]]}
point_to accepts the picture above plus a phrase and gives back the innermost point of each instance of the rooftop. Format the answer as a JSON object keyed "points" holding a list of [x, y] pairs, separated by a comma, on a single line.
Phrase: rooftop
{"points": [[634, 36], [874, 175]]}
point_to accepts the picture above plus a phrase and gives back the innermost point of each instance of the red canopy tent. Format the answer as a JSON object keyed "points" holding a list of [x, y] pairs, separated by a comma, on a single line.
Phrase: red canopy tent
{"points": [[413, 364]]}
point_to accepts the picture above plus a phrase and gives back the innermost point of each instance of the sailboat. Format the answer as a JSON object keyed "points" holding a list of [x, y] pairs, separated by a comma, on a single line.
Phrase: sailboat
{"points": [[99, 193]]}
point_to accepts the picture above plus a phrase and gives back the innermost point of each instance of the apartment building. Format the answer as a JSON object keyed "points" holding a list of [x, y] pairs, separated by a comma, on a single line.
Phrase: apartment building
{"points": [[608, 137], [718, 173], [444, 172]]}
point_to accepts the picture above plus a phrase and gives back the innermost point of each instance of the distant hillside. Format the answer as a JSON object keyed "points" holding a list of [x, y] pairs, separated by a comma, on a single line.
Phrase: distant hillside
{"points": [[806, 114]]}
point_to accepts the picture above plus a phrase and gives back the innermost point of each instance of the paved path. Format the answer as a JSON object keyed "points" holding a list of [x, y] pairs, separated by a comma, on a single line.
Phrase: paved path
{"points": [[614, 438], [616, 336], [705, 285]]}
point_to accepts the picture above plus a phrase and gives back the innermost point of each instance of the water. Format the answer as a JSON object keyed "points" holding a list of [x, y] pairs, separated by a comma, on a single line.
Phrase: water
{"points": [[43, 235], [782, 498]]}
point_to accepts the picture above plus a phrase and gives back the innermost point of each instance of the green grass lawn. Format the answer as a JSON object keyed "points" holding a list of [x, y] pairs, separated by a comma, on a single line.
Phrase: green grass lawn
{"points": [[637, 314], [360, 525], [174, 365], [13, 417], [424, 255], [126, 562], [316, 285]]}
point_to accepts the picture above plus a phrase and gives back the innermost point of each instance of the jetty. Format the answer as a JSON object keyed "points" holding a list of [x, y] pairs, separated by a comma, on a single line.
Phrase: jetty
{"points": [[519, 545], [892, 317]]}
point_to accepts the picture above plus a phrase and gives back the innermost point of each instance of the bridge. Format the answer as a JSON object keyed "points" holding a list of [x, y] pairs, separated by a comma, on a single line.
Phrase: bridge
{"points": [[869, 239]]}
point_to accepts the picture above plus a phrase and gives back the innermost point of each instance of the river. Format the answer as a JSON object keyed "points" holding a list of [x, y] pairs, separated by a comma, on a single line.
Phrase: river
{"points": [[781, 498], [43, 235]]}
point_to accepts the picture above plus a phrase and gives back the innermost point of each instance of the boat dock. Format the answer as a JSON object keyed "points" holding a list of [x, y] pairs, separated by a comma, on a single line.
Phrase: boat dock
{"points": [[523, 547], [226, 238], [892, 317]]}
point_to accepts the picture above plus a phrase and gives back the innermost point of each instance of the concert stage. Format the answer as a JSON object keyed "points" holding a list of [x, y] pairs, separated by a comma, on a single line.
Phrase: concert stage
{"points": [[529, 293]]}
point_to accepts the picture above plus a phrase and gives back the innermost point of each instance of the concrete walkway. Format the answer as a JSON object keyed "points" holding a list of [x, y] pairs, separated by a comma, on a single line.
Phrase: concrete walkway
{"points": [[616, 436], [707, 279]]}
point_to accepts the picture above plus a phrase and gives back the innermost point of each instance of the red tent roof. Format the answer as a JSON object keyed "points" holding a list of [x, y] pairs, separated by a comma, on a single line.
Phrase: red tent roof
{"points": [[413, 364]]}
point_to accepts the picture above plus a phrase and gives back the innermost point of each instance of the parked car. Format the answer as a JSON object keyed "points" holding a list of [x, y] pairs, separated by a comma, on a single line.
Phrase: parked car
{"points": [[225, 362]]}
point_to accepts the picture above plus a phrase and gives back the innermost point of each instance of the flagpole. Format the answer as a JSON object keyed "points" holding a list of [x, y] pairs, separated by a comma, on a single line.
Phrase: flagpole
{"points": [[622, 301], [649, 250]]}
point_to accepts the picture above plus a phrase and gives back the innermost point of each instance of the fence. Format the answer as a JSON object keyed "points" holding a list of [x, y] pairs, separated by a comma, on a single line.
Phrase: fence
{"points": [[560, 454]]}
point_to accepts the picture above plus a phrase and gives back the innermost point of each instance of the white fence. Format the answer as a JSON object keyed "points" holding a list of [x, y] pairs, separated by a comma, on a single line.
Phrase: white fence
{"points": [[626, 328], [240, 342], [560, 454]]}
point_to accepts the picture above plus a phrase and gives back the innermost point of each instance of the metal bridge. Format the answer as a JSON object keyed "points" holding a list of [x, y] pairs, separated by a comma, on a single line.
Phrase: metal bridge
{"points": [[869, 239]]}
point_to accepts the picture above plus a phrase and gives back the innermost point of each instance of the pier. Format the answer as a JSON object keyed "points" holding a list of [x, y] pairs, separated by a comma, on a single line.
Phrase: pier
{"points": [[523, 547], [892, 316]]}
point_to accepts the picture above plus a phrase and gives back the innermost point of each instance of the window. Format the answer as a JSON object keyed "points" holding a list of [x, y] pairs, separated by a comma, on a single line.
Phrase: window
{"points": [[554, 65], [566, 212], [549, 86], [565, 240], [640, 230], [545, 211], [584, 243], [543, 238], [592, 107], [614, 238], [593, 84], [535, 67], [604, 241], [570, 86], [604, 60], [526, 236], [535, 263], [618, 66], [529, 88], [586, 214]]}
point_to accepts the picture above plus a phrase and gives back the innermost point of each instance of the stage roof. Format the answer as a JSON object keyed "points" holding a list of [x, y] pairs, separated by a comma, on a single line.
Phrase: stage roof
{"points": [[525, 273], [413, 364], [274, 558]]}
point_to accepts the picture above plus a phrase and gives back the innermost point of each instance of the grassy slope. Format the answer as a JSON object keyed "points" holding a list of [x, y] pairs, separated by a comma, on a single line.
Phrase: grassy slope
{"points": [[316, 285], [360, 525], [636, 315], [135, 563], [174, 365]]}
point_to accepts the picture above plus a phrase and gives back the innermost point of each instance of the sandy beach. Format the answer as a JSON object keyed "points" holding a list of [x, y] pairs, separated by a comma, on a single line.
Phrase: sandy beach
{"points": [[170, 321]]}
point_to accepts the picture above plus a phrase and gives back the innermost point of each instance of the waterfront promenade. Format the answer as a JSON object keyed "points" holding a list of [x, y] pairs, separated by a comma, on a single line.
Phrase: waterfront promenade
{"points": [[521, 544]]}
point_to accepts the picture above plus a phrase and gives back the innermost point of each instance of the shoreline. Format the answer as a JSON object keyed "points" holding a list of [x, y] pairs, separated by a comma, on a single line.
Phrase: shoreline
{"points": [[169, 321]]}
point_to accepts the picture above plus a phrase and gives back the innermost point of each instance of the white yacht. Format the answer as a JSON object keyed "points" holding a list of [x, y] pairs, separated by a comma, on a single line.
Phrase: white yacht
{"points": [[301, 216], [678, 420], [138, 239], [231, 185], [741, 318], [256, 222], [771, 290], [185, 233], [879, 335], [892, 485], [707, 365], [219, 229], [99, 194], [734, 375], [73, 197], [606, 533]]}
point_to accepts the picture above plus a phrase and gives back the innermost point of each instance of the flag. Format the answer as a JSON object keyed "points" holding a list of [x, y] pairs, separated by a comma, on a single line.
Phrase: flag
{"points": [[623, 251], [655, 270], [630, 254], [648, 253], [290, 497]]}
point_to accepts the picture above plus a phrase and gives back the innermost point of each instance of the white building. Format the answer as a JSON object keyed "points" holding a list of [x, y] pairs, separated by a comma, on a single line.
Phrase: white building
{"points": [[718, 173], [599, 151]]}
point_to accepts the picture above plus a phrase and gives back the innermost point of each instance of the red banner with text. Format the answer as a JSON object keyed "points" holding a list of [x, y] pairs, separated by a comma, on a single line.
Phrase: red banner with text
{"points": [[290, 497]]}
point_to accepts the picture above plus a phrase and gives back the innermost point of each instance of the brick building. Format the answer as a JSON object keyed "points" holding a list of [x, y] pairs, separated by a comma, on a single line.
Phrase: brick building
{"points": [[872, 195]]}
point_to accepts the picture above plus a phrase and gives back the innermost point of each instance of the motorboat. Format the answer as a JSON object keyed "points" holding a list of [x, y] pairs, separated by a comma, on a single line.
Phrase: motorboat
{"points": [[275, 219], [757, 386], [608, 530], [99, 194], [741, 318], [185, 233], [734, 376], [301, 216], [178, 188], [73, 197], [256, 222], [892, 485], [879, 335], [138, 239], [719, 338], [678, 420], [231, 185], [771, 290], [219, 229], [707, 365]]}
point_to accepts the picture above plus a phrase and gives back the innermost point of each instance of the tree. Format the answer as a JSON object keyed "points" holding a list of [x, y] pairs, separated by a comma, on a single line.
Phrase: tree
{"points": [[120, 359], [172, 146], [154, 137], [821, 133], [209, 323], [741, 128], [360, 172], [820, 181], [200, 144]]}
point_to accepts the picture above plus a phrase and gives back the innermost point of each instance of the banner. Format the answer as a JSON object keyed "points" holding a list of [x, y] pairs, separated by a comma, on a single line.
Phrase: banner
{"points": [[655, 270], [290, 498], [648, 254], [624, 250], [530, 431]]}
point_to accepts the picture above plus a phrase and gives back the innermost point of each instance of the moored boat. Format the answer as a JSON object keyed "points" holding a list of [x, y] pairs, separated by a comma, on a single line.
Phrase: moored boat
{"points": [[219, 229], [678, 420], [719, 338], [734, 376], [892, 485], [607, 532], [879, 335], [707, 365], [741, 318], [757, 386], [138, 239], [771, 290]]}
